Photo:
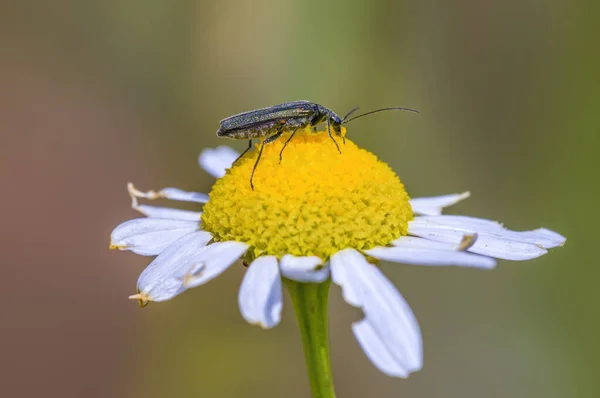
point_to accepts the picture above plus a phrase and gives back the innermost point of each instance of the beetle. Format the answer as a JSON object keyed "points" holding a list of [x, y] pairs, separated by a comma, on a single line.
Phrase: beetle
{"points": [[268, 124]]}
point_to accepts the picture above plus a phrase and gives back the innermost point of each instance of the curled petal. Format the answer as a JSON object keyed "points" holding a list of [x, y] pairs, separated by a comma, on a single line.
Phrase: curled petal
{"points": [[304, 269], [167, 193], [260, 296], [432, 206]]}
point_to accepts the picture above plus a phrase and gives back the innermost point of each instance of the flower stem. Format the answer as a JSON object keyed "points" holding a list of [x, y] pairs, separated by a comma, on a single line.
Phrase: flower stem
{"points": [[310, 303]]}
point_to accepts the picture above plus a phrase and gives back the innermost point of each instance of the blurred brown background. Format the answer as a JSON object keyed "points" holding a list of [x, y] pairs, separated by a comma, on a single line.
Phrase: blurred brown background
{"points": [[95, 94]]}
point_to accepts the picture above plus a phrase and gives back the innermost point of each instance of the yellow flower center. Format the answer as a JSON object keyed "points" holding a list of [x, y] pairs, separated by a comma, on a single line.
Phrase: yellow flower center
{"points": [[315, 202]]}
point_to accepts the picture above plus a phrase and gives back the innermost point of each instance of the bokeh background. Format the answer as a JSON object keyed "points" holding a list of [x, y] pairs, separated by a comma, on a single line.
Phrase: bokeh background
{"points": [[96, 94]]}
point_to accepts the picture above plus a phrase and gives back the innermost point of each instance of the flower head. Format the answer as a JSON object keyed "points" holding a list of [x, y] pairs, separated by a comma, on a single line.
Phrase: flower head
{"points": [[312, 203], [313, 216]]}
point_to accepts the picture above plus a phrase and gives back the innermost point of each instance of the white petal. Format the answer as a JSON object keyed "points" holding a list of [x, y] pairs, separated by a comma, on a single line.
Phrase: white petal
{"points": [[161, 280], [486, 243], [386, 312], [150, 236], [376, 350], [304, 269], [432, 206], [211, 262], [540, 237], [468, 223], [413, 242], [216, 161], [423, 256], [345, 262], [551, 234], [260, 297], [168, 213], [184, 196], [166, 193]]}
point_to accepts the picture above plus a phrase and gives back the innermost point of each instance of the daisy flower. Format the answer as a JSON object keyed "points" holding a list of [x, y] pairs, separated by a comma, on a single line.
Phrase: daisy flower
{"points": [[316, 217]]}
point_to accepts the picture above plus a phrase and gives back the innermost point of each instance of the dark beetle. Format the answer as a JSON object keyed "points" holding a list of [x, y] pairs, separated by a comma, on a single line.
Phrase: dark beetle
{"points": [[268, 124], [286, 116]]}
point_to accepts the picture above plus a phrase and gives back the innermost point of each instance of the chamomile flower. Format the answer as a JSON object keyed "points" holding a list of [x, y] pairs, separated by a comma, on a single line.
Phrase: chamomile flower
{"points": [[316, 216]]}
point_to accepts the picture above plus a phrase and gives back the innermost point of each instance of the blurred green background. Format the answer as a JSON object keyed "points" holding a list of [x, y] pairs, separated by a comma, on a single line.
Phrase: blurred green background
{"points": [[96, 94]]}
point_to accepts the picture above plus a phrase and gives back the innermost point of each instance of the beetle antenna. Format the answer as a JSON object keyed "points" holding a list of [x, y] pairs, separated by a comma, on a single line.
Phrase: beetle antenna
{"points": [[376, 111], [350, 113]]}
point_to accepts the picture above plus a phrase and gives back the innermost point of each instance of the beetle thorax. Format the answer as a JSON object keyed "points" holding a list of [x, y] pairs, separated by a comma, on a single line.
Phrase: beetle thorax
{"points": [[322, 114]]}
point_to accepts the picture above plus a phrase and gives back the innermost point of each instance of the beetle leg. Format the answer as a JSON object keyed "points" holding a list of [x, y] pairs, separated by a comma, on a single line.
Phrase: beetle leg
{"points": [[288, 140], [272, 138], [262, 145], [331, 136], [243, 153]]}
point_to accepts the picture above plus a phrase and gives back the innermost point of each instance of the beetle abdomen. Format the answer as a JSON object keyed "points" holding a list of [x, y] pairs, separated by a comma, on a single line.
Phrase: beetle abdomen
{"points": [[263, 129]]}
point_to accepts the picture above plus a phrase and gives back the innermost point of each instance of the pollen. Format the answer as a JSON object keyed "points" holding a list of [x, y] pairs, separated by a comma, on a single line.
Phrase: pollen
{"points": [[316, 201]]}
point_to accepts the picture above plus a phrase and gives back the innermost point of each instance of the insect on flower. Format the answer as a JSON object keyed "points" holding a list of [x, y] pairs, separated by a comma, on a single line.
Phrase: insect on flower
{"points": [[268, 124]]}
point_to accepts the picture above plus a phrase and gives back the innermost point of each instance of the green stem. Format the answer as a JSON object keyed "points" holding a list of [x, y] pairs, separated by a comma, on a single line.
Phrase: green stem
{"points": [[310, 303]]}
